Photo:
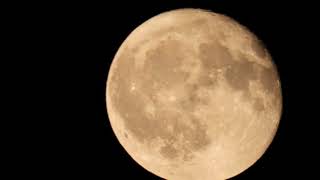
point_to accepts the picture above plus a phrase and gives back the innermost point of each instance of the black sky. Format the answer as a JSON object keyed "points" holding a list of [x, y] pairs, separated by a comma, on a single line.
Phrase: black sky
{"points": [[70, 48]]}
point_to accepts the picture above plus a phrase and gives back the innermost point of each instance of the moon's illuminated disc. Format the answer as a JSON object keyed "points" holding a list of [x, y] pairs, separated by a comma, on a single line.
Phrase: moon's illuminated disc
{"points": [[192, 94]]}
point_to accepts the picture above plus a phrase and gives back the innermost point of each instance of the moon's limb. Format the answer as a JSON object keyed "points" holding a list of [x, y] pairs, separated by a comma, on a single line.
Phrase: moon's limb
{"points": [[193, 95]]}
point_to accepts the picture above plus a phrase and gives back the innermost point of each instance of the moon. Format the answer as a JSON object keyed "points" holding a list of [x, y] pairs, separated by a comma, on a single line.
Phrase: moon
{"points": [[192, 94]]}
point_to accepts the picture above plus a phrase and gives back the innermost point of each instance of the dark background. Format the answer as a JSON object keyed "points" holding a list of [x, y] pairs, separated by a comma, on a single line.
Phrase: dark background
{"points": [[68, 49]]}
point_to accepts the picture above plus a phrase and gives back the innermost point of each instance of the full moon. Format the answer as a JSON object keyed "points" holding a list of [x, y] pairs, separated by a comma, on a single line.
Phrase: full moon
{"points": [[193, 95]]}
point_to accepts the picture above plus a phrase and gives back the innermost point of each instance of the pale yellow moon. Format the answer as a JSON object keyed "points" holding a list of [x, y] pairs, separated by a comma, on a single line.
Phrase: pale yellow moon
{"points": [[193, 95]]}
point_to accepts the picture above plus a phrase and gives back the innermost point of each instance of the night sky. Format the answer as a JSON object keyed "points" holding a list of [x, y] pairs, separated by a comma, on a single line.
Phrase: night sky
{"points": [[74, 46]]}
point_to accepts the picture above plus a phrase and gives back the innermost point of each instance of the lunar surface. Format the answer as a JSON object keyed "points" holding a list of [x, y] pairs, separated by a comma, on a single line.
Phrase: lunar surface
{"points": [[193, 95]]}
